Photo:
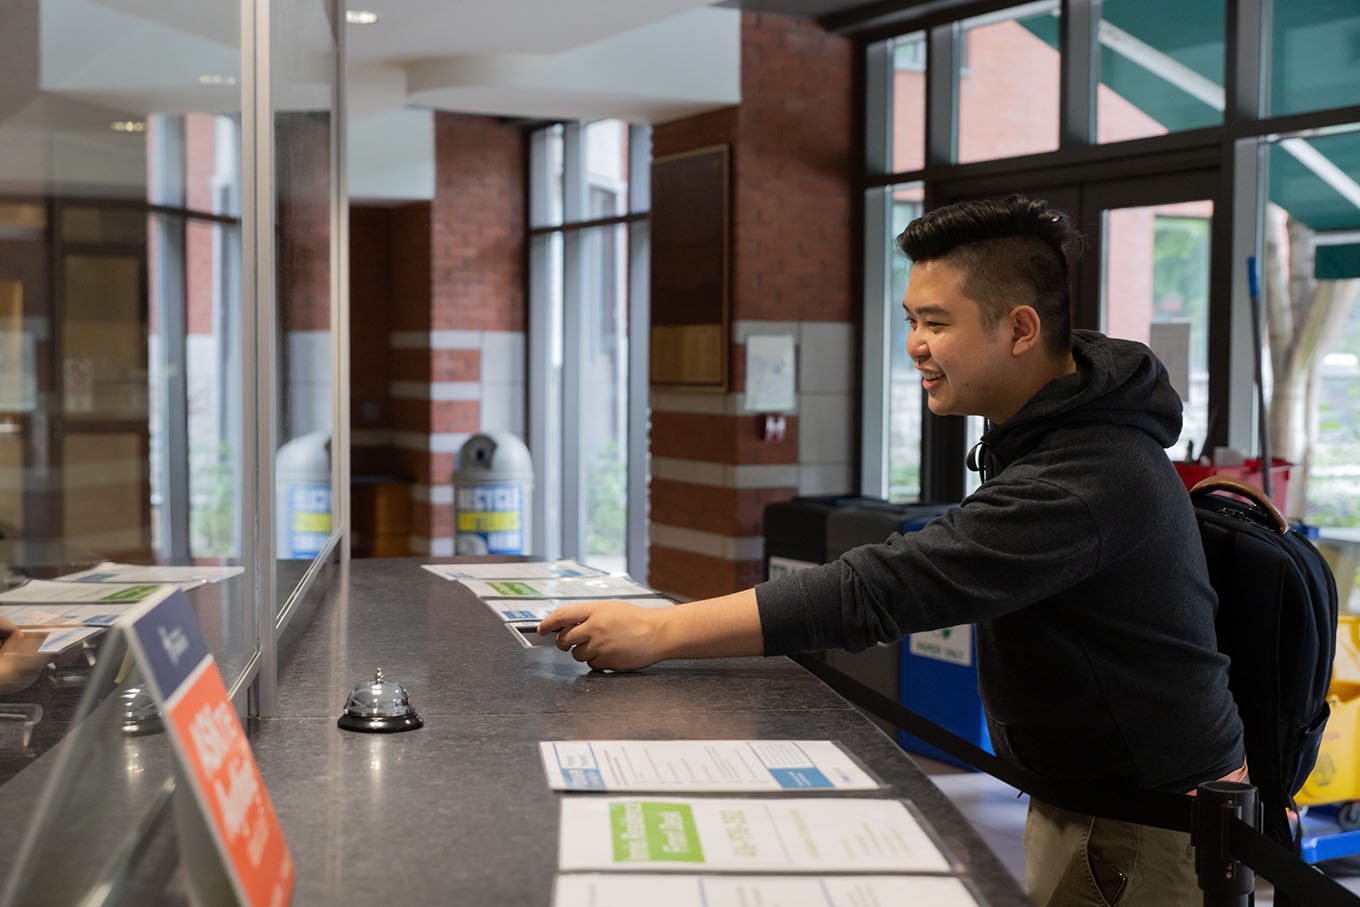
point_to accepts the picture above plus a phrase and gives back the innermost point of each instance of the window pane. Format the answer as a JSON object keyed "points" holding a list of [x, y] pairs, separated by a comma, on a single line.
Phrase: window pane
{"points": [[606, 158], [303, 55], [1155, 289], [1314, 56], [1161, 67], [904, 387], [604, 410], [1009, 68], [1311, 281], [909, 102], [555, 175]]}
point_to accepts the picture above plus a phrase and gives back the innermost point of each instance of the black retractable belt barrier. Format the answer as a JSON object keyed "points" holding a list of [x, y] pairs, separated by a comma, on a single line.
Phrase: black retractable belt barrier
{"points": [[1218, 820]]}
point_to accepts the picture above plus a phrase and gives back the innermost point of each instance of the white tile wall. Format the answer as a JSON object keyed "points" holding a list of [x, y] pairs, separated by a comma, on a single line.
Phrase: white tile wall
{"points": [[825, 426], [826, 356], [832, 478]]}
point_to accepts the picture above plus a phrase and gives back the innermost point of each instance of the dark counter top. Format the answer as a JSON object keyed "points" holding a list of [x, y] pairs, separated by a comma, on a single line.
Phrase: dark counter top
{"points": [[459, 811]]}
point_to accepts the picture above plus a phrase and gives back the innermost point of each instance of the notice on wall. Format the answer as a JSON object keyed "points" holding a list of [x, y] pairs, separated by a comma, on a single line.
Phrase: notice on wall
{"points": [[211, 747], [732, 835], [951, 644], [1170, 342], [770, 373], [701, 765], [627, 890]]}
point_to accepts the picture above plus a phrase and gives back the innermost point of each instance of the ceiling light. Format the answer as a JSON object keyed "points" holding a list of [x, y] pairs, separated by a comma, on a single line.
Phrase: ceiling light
{"points": [[216, 79], [127, 126], [360, 17]]}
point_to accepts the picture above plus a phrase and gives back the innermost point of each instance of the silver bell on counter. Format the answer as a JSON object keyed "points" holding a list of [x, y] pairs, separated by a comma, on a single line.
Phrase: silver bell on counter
{"points": [[380, 706]]}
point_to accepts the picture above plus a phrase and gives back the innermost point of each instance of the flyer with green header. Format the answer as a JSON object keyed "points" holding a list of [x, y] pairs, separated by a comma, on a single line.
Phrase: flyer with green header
{"points": [[732, 835], [40, 591]]}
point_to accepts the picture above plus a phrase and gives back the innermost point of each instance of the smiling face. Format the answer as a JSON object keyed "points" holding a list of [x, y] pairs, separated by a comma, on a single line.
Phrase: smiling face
{"points": [[967, 368]]}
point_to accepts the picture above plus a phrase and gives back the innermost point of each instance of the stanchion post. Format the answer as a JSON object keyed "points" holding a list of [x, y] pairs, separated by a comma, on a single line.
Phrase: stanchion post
{"points": [[1225, 881]]}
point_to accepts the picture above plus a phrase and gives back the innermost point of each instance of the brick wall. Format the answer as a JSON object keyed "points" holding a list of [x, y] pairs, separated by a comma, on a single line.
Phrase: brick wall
{"points": [[791, 240], [437, 302]]}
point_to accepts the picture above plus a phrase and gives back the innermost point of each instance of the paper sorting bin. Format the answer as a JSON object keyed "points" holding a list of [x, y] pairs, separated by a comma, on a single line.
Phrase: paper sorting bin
{"points": [[493, 485], [1336, 776], [934, 673], [795, 531]]}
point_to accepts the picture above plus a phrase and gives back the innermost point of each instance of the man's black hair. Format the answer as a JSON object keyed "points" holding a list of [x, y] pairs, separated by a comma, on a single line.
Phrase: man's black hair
{"points": [[1012, 251]]}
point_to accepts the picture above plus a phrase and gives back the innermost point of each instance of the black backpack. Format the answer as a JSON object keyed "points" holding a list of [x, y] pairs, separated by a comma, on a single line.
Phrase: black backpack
{"points": [[1277, 616]]}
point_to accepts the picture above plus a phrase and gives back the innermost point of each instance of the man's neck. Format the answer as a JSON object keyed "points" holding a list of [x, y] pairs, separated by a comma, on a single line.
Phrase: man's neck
{"points": [[1030, 383]]}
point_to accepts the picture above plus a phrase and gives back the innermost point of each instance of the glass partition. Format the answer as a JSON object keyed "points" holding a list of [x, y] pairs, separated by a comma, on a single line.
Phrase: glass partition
{"points": [[140, 364], [302, 72]]}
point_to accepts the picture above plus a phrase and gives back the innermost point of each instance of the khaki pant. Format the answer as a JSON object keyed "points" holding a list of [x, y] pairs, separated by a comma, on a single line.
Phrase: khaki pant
{"points": [[1075, 860]]}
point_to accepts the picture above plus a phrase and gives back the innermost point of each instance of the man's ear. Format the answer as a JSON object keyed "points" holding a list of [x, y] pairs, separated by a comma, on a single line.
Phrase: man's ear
{"points": [[1025, 327]]}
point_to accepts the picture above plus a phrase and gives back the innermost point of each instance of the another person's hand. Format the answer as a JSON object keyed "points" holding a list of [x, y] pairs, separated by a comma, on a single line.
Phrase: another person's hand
{"points": [[609, 634], [20, 661]]}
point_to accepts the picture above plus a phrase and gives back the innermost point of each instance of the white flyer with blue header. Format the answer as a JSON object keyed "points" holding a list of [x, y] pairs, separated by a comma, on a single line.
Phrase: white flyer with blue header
{"points": [[702, 766], [624, 890], [536, 609]]}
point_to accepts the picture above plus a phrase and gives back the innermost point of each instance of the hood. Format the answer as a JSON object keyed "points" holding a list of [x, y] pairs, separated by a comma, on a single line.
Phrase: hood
{"points": [[1117, 382]]}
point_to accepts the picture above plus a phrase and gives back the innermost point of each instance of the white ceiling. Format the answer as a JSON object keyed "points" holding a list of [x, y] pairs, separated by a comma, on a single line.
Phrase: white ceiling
{"points": [[412, 29], [105, 60]]}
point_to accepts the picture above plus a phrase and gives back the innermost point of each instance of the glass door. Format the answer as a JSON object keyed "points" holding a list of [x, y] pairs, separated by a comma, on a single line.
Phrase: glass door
{"points": [[1147, 279]]}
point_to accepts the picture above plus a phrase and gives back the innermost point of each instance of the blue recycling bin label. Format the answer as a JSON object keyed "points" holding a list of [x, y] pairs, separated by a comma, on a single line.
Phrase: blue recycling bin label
{"points": [[493, 514], [308, 519]]}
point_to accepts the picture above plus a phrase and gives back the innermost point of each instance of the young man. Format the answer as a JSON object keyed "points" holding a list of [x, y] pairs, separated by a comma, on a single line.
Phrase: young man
{"points": [[1078, 558]]}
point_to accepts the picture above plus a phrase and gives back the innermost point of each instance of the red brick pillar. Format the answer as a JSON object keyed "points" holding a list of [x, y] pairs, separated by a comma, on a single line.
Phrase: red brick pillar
{"points": [[455, 316], [792, 185]]}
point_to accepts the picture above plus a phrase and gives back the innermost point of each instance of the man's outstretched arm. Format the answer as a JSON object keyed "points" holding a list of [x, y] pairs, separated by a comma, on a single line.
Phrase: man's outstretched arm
{"points": [[624, 637]]}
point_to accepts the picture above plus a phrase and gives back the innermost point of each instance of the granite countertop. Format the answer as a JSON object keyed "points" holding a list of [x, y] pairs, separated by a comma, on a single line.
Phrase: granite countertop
{"points": [[459, 811]]}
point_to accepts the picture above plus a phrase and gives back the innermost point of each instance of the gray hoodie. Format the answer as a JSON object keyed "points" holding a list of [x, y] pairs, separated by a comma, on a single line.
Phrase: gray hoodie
{"points": [[1080, 562]]}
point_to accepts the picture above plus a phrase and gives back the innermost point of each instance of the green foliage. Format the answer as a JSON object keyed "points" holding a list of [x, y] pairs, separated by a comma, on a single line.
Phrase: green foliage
{"points": [[607, 502], [212, 501], [1180, 278]]}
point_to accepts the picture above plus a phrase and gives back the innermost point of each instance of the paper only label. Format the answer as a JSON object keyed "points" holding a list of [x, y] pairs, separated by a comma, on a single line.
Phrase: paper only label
{"points": [[952, 644]]}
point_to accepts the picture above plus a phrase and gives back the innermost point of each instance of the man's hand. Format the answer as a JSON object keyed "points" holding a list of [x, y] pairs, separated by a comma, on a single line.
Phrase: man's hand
{"points": [[624, 637], [609, 634], [20, 661]]}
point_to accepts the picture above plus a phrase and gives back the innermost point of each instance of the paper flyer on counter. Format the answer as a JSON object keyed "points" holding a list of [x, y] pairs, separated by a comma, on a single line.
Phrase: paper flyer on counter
{"points": [[536, 609], [582, 587], [184, 577], [741, 835], [514, 570], [60, 615], [41, 591], [701, 765], [63, 638], [621, 890]]}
